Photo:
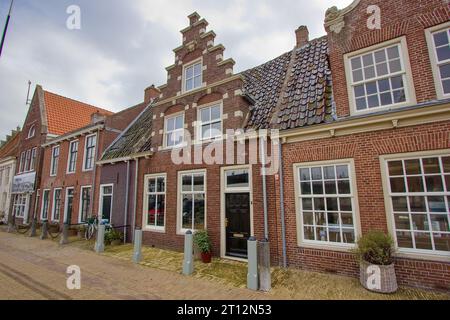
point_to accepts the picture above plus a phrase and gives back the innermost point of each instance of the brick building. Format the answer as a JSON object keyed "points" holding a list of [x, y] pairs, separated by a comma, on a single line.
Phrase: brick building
{"points": [[49, 116], [363, 117]]}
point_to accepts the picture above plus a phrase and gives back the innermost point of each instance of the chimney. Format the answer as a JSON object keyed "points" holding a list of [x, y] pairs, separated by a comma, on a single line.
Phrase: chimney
{"points": [[302, 35], [193, 18], [97, 118], [151, 93]]}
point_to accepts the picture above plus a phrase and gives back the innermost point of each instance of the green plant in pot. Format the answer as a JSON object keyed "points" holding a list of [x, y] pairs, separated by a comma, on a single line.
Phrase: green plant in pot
{"points": [[113, 237], [377, 270], [201, 239]]}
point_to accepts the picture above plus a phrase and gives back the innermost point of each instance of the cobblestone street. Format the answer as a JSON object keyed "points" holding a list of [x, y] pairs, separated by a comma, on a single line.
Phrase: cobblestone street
{"points": [[35, 269]]}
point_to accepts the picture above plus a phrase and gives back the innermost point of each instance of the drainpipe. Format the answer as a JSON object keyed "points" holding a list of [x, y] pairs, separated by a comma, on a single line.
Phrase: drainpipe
{"points": [[126, 203], [283, 222], [136, 163], [263, 172], [94, 174]]}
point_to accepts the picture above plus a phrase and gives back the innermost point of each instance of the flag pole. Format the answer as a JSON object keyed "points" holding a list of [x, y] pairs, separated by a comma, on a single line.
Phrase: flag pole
{"points": [[6, 27]]}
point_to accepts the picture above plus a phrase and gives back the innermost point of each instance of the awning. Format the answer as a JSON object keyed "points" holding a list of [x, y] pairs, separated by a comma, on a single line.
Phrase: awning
{"points": [[24, 183]]}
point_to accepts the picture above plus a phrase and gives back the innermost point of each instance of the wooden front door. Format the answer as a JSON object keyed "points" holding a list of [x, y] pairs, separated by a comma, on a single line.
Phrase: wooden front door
{"points": [[237, 223]]}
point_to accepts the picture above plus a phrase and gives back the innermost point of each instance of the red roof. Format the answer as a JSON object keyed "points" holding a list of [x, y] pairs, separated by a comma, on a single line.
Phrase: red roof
{"points": [[65, 115], [9, 149]]}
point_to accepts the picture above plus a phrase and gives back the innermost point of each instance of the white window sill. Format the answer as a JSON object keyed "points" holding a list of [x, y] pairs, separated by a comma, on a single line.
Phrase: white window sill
{"points": [[154, 229], [383, 108], [327, 246], [422, 255]]}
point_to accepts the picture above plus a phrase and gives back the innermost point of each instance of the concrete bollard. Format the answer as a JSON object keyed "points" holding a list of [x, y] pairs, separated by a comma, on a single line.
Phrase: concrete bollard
{"points": [[137, 254], [33, 228], [252, 274], [188, 263], [100, 241], [64, 235], [44, 230], [264, 266]]}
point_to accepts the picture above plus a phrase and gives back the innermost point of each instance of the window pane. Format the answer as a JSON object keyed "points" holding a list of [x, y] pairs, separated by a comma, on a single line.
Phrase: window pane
{"points": [[420, 222], [399, 96], [413, 166], [360, 91], [332, 204], [333, 219], [330, 187], [151, 212], [309, 233], [344, 187], [440, 38], [356, 63], [423, 240], [367, 60], [436, 204], [237, 178], [431, 165], [160, 212], [434, 184], [445, 71], [197, 69], [215, 113], [442, 241], [316, 173], [342, 172], [170, 124], [361, 104], [395, 66], [397, 82], [216, 129], [179, 122], [349, 235], [386, 99], [197, 82], [371, 88], [205, 114], [199, 183], [404, 239], [199, 212], [446, 86], [417, 204], [372, 101], [305, 188], [415, 184], [304, 173], [319, 204], [369, 73], [380, 56], [400, 204], [161, 186], [151, 185], [307, 204], [382, 69], [443, 53], [187, 182], [402, 222], [308, 218], [317, 187], [189, 72], [187, 211], [357, 75], [446, 163], [346, 204], [439, 222], [189, 84], [347, 219], [395, 168], [320, 219], [321, 234], [393, 52]]}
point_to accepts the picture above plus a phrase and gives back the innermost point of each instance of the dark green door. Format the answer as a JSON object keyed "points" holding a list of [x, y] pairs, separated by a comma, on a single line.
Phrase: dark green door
{"points": [[237, 222]]}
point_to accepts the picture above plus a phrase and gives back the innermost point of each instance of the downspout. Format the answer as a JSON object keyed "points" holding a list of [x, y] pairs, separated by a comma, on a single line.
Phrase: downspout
{"points": [[136, 162], [94, 178], [263, 173], [126, 203], [283, 222]]}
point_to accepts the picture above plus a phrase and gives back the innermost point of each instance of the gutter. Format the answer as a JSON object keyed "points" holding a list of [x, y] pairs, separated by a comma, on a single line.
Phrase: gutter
{"points": [[73, 135], [136, 162], [127, 189], [263, 173], [282, 217]]}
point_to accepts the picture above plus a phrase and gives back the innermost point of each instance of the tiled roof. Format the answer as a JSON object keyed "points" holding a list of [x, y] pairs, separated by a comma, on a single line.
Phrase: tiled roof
{"points": [[306, 95], [135, 139], [65, 115], [264, 84], [10, 147]]}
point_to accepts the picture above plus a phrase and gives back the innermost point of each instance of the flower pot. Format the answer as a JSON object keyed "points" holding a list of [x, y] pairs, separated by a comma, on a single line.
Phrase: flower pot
{"points": [[206, 257], [377, 278]]}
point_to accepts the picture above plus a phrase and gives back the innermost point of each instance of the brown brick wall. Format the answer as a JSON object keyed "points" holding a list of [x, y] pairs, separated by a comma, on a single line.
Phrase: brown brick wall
{"points": [[365, 149], [398, 18]]}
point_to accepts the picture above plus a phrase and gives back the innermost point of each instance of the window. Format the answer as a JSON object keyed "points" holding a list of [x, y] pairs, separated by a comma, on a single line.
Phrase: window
{"points": [[45, 204], [68, 209], [56, 211], [73, 153], [210, 122], [174, 131], [192, 196], [155, 202], [26, 167], [106, 197], [85, 204], [326, 204], [439, 44], [419, 196], [89, 152], [22, 162], [31, 131], [237, 179], [54, 161], [379, 78], [19, 205], [33, 159], [193, 76]]}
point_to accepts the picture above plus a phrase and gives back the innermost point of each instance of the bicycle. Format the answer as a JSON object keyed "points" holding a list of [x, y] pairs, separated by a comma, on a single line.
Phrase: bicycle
{"points": [[92, 227]]}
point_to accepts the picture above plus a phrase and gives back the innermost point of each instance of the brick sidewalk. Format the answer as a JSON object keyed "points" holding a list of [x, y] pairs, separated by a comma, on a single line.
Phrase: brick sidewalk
{"points": [[35, 269]]}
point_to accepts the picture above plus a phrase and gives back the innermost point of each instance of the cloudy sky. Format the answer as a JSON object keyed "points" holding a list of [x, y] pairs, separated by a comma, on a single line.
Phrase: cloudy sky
{"points": [[124, 45]]}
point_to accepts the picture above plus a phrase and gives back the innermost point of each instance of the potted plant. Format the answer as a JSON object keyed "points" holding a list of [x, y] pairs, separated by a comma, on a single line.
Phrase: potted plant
{"points": [[377, 271], [202, 241], [113, 237]]}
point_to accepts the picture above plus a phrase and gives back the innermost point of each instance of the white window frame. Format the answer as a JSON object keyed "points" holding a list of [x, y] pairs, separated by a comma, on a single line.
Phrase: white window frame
{"points": [[200, 124], [31, 131], [33, 159], [298, 206], [54, 203], [80, 211], [52, 157], [100, 204], [180, 229], [69, 157], [421, 254], [27, 160], [18, 206], [406, 74], [184, 79], [22, 161], [434, 60], [45, 191], [145, 226], [166, 132], [85, 152], [66, 204]]}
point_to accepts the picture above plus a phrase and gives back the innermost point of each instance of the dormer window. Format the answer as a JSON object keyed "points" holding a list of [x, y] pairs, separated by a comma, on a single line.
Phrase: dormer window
{"points": [[193, 76], [31, 132], [379, 77], [439, 45]]}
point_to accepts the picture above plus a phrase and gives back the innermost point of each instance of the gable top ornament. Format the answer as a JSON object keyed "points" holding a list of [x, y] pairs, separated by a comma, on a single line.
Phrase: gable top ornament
{"points": [[334, 17]]}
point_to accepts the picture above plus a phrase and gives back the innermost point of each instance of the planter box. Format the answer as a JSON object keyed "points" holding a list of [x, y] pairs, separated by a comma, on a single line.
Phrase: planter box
{"points": [[387, 278]]}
